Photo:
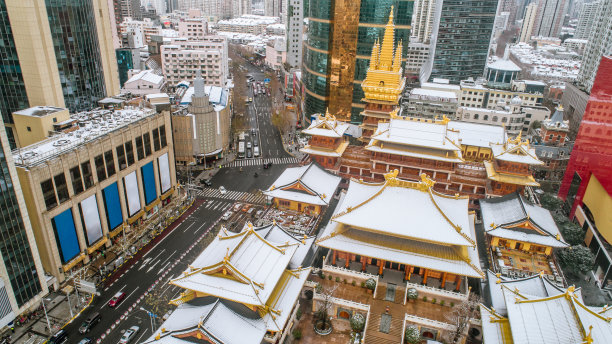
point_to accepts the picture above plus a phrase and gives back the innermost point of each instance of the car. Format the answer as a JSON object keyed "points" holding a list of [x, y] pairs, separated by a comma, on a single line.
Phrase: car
{"points": [[116, 300], [256, 151], [259, 213], [253, 132], [237, 207], [89, 323], [59, 337], [222, 190], [250, 99], [256, 143], [249, 153], [246, 208], [227, 215], [129, 335], [250, 211], [206, 182], [249, 144], [86, 341]]}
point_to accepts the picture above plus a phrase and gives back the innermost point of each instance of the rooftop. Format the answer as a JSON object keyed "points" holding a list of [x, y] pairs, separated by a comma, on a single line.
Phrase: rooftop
{"points": [[148, 76], [420, 93], [218, 96], [326, 125], [92, 125], [516, 150], [38, 111], [478, 135], [308, 184]]}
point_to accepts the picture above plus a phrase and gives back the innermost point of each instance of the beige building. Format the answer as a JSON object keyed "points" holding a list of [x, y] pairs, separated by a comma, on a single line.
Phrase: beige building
{"points": [[83, 188], [50, 67], [477, 94], [193, 28], [144, 29], [182, 58], [37, 123], [531, 12]]}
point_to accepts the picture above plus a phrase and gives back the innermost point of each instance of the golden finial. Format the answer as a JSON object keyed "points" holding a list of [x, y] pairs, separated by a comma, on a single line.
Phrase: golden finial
{"points": [[558, 236], [498, 275], [541, 273], [249, 226], [227, 256], [274, 222], [589, 337], [272, 188], [158, 336], [428, 182], [492, 225], [391, 175], [163, 330], [498, 281], [199, 335], [445, 119]]}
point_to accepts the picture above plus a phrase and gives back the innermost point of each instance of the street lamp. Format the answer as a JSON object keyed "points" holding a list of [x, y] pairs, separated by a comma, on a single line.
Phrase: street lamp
{"points": [[151, 318], [46, 315]]}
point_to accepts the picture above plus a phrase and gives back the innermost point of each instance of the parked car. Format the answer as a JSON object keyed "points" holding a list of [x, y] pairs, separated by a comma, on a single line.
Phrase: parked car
{"points": [[249, 153], [89, 323], [222, 190], [116, 300], [129, 335], [246, 207], [256, 150]]}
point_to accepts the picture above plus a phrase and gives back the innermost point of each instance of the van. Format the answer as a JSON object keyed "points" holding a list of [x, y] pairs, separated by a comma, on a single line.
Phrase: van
{"points": [[60, 337], [89, 323], [256, 151], [249, 144]]}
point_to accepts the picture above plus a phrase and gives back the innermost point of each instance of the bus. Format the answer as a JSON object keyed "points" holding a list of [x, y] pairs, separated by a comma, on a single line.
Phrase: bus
{"points": [[241, 149]]}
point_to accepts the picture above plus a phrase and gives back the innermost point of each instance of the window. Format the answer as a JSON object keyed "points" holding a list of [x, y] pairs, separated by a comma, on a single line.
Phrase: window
{"points": [[110, 163], [147, 143], [61, 187], [77, 181], [54, 119], [29, 129], [485, 117], [87, 174], [100, 168], [162, 136], [121, 158], [494, 119], [504, 119], [156, 142], [475, 116], [129, 153], [48, 194], [139, 148]]}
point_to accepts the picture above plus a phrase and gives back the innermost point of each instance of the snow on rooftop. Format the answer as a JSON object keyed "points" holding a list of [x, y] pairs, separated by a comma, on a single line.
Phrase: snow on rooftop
{"points": [[547, 61], [39, 111], [478, 135], [93, 124], [422, 93], [249, 20], [148, 76]]}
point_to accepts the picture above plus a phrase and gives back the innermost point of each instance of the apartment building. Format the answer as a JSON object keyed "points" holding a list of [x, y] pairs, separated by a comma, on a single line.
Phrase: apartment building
{"points": [[86, 187], [143, 28], [183, 57], [193, 28], [248, 23], [476, 93]]}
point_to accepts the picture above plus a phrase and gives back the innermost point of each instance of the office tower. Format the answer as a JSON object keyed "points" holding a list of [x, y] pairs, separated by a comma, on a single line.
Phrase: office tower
{"points": [[295, 32], [586, 19], [531, 12], [550, 18], [511, 7], [158, 5], [22, 281], [599, 45], [422, 20], [65, 57], [463, 38], [338, 51]]}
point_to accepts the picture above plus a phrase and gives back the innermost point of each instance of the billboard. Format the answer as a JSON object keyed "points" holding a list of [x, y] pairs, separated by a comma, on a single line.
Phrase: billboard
{"points": [[130, 184], [148, 182], [65, 235], [91, 219], [114, 216], [164, 173]]}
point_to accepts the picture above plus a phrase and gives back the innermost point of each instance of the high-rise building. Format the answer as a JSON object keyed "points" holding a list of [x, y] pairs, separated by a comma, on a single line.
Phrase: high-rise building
{"points": [[240, 7], [462, 43], [531, 12], [64, 58], [550, 18], [511, 7], [22, 279], [295, 32], [422, 20], [588, 13], [341, 35], [273, 8], [599, 45]]}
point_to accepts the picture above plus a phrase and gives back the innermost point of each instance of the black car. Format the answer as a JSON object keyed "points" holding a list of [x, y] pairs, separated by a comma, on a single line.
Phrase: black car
{"points": [[92, 321], [206, 182]]}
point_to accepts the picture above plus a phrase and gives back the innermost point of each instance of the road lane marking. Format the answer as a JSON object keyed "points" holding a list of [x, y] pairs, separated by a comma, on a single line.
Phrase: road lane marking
{"points": [[152, 266], [185, 230], [130, 294], [162, 251]]}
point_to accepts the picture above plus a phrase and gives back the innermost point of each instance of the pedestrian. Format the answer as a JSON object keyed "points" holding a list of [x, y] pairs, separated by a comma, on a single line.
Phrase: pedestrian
{"points": [[13, 328]]}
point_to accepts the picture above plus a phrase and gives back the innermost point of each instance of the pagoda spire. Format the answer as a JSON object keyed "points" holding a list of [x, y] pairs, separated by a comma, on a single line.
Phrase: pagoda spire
{"points": [[386, 51], [374, 58], [397, 60]]}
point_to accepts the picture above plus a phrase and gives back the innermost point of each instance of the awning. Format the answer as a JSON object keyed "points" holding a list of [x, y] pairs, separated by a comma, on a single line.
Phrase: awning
{"points": [[73, 262], [153, 204], [116, 231], [97, 245], [168, 193], [135, 217]]}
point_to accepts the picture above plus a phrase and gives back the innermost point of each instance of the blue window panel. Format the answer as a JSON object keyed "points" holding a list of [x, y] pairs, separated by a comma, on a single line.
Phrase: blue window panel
{"points": [[148, 180], [112, 206], [66, 236]]}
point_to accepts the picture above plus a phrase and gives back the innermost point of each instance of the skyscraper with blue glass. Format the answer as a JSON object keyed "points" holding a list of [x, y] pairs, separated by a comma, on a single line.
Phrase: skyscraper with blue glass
{"points": [[56, 53], [338, 49], [21, 274]]}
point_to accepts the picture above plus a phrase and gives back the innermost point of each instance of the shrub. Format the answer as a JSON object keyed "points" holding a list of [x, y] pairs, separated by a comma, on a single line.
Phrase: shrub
{"points": [[345, 281], [337, 279], [424, 298], [442, 303], [370, 283], [329, 277], [321, 274], [434, 301], [452, 304], [412, 294], [298, 314], [357, 322], [412, 335], [297, 334], [318, 288], [353, 283], [363, 284]]}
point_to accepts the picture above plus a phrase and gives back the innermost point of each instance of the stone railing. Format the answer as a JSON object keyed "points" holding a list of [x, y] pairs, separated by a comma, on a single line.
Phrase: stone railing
{"points": [[441, 293], [428, 322], [343, 302], [353, 275]]}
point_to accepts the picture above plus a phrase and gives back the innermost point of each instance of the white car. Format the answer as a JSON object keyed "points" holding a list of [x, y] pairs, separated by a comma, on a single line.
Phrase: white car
{"points": [[222, 190], [129, 335], [227, 215]]}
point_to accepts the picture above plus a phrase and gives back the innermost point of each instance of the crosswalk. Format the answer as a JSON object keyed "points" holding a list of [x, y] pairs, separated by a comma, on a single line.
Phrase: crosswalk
{"points": [[261, 161], [234, 195], [218, 205]]}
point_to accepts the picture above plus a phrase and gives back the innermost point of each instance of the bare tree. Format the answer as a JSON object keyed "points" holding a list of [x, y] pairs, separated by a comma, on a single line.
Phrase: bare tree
{"points": [[325, 305], [461, 315]]}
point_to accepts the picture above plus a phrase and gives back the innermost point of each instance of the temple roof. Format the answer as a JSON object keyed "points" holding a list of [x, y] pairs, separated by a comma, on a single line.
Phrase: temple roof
{"points": [[326, 125], [275, 233], [307, 184], [513, 217], [241, 267], [516, 150], [557, 319], [477, 134], [510, 178], [405, 222]]}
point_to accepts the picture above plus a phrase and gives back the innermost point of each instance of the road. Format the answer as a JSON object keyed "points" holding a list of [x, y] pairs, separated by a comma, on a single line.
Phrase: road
{"points": [[152, 267]]}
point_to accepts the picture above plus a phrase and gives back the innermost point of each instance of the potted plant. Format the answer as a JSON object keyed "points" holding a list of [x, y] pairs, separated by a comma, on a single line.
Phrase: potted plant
{"points": [[370, 283], [357, 322], [412, 294], [412, 335]]}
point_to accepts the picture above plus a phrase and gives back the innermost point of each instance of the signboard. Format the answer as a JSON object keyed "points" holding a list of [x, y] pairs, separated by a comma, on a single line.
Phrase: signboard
{"points": [[267, 80]]}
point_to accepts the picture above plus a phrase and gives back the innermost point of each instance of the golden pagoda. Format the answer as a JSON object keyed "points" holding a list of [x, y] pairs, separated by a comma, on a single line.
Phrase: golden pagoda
{"points": [[384, 81]]}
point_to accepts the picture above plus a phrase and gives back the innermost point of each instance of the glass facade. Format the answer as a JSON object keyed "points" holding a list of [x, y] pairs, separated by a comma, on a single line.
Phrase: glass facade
{"points": [[77, 50], [344, 33], [14, 244], [463, 39], [125, 62]]}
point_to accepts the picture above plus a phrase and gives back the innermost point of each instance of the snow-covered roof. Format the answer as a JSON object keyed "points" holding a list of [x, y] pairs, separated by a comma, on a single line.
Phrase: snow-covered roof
{"points": [[556, 122], [326, 125], [404, 240], [513, 217], [307, 184], [478, 135], [241, 267], [217, 96], [420, 93], [39, 111], [148, 76], [505, 65], [515, 151], [278, 234], [92, 125]]}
